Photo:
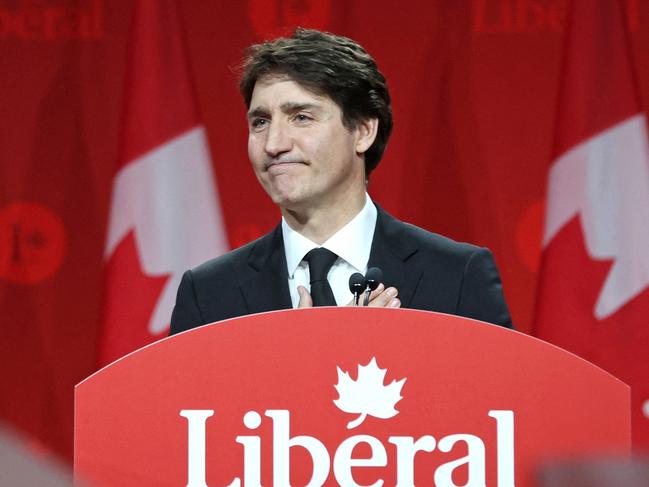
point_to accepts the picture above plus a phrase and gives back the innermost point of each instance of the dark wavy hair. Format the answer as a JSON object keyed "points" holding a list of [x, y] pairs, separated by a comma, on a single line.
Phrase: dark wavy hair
{"points": [[331, 65]]}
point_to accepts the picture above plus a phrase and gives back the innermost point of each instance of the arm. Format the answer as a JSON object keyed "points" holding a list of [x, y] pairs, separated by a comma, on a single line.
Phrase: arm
{"points": [[481, 294], [186, 314]]}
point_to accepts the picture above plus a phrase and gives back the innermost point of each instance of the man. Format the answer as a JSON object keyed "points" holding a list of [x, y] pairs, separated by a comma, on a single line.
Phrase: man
{"points": [[319, 119]]}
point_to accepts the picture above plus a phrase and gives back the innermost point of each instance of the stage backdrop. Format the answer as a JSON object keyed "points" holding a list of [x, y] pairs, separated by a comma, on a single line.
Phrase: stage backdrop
{"points": [[475, 95]]}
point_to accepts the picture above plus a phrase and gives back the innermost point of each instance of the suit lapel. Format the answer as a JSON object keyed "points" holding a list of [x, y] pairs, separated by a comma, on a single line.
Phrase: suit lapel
{"points": [[267, 289], [392, 252]]}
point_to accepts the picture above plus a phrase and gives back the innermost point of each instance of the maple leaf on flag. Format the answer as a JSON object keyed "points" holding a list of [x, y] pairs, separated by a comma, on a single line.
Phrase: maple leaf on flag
{"points": [[367, 394]]}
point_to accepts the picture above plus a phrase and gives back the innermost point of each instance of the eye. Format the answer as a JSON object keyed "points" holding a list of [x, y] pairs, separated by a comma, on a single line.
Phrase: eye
{"points": [[258, 123], [302, 117]]}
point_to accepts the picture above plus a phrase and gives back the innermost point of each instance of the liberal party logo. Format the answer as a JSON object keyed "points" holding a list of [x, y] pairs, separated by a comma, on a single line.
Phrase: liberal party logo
{"points": [[337, 462], [367, 395]]}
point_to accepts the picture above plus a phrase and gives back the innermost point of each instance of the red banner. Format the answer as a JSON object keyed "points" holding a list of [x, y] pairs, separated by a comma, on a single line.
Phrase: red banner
{"points": [[474, 87], [344, 396]]}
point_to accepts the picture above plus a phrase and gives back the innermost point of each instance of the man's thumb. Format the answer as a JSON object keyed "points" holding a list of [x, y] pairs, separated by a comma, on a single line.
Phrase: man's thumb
{"points": [[305, 298]]}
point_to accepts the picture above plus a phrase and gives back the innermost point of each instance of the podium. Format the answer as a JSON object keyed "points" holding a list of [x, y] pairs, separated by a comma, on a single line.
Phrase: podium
{"points": [[344, 396]]}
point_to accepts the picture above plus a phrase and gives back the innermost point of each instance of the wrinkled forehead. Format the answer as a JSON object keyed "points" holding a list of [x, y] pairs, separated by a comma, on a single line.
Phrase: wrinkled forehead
{"points": [[272, 78], [280, 91]]}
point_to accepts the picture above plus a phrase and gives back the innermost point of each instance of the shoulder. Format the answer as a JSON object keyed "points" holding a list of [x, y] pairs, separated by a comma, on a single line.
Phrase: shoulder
{"points": [[417, 239], [455, 277], [238, 262], [441, 243]]}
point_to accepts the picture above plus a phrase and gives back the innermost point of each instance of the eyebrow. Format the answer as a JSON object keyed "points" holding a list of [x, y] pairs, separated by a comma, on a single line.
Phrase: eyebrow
{"points": [[288, 107]]}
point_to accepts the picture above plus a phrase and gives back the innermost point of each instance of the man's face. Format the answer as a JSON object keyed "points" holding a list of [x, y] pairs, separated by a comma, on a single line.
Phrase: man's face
{"points": [[302, 154]]}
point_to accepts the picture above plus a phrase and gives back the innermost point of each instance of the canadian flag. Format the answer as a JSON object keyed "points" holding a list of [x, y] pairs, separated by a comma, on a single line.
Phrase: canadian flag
{"points": [[593, 295], [164, 215]]}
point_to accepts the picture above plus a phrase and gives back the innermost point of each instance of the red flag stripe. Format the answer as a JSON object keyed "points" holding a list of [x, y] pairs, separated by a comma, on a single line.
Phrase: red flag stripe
{"points": [[159, 92], [593, 293], [165, 216], [597, 86]]}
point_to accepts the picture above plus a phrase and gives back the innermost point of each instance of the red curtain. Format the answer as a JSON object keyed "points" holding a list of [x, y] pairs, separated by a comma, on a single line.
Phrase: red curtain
{"points": [[474, 84]]}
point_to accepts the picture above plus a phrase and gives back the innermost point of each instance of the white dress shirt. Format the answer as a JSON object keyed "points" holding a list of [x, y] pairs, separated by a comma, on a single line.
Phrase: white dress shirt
{"points": [[352, 243]]}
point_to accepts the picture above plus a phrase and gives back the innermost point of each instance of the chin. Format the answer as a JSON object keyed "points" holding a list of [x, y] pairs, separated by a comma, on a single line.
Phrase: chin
{"points": [[294, 202], [284, 200], [286, 196]]}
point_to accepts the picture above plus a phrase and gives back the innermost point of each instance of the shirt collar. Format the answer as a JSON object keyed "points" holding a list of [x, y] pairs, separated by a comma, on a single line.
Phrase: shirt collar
{"points": [[351, 243]]}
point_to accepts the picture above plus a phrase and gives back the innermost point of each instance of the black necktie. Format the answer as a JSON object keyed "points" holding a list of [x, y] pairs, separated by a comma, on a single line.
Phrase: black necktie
{"points": [[320, 261]]}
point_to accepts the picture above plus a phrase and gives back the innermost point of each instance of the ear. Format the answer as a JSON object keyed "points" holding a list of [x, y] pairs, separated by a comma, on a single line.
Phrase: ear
{"points": [[366, 134]]}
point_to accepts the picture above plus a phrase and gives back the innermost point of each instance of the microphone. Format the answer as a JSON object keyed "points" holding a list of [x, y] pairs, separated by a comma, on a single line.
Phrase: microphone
{"points": [[357, 285], [373, 278]]}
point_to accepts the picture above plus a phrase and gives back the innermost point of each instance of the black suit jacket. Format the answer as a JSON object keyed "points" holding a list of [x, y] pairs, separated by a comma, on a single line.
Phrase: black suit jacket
{"points": [[431, 272]]}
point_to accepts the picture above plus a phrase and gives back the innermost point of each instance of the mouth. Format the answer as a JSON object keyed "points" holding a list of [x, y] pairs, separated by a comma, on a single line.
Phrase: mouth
{"points": [[279, 165]]}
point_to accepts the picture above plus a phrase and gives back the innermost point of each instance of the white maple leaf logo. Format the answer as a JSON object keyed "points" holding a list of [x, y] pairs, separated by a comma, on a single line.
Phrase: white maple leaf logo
{"points": [[367, 394]]}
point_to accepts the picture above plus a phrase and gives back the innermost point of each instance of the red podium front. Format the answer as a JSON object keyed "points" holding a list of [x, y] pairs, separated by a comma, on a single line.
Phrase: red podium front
{"points": [[343, 396]]}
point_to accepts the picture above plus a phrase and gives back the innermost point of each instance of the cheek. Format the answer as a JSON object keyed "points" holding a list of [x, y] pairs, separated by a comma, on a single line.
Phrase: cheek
{"points": [[340, 152], [255, 151], [251, 146], [323, 150]]}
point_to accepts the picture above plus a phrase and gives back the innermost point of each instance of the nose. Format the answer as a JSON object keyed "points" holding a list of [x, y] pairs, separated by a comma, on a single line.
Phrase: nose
{"points": [[278, 139]]}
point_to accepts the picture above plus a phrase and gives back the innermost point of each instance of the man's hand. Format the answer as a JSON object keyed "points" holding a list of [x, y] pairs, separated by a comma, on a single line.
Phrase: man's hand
{"points": [[379, 298], [305, 298]]}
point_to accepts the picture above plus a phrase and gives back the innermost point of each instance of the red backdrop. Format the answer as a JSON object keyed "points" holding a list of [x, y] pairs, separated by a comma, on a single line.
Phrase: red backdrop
{"points": [[474, 85]]}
